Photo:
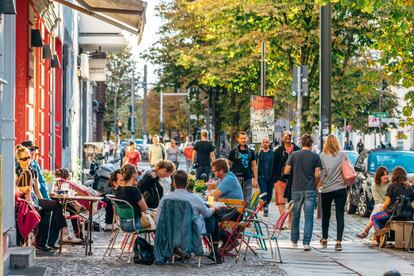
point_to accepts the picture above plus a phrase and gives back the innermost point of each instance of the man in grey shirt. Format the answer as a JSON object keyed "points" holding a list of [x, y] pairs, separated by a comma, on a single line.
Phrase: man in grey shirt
{"points": [[204, 218], [305, 166]]}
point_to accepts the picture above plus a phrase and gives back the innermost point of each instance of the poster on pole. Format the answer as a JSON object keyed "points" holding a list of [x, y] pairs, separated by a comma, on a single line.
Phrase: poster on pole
{"points": [[262, 118]]}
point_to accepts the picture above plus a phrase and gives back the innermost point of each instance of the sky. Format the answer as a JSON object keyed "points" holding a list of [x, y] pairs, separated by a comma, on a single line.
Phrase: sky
{"points": [[152, 25]]}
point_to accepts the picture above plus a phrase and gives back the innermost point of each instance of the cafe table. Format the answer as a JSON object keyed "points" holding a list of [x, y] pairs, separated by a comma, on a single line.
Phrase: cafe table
{"points": [[64, 199]]}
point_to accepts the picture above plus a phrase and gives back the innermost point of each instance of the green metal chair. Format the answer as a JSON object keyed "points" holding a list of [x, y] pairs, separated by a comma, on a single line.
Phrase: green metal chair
{"points": [[123, 211]]}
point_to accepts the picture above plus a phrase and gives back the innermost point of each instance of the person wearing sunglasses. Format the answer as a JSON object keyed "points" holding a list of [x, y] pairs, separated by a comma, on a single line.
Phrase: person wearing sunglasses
{"points": [[49, 229], [35, 165]]}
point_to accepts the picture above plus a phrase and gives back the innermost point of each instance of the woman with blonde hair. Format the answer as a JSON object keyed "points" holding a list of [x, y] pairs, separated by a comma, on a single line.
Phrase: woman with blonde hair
{"points": [[332, 188]]}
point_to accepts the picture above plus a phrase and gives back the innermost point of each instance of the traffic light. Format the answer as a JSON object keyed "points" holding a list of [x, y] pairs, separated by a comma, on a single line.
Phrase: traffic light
{"points": [[129, 123]]}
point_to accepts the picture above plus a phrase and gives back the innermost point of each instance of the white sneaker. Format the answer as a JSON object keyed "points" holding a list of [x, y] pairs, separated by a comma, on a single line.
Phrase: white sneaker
{"points": [[108, 227], [72, 240], [306, 247], [294, 244]]}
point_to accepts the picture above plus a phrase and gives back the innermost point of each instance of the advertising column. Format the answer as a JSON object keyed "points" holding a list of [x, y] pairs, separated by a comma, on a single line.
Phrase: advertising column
{"points": [[262, 115]]}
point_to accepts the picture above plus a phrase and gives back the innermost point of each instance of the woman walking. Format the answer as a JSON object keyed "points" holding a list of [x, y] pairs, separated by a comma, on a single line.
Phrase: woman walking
{"points": [[379, 193], [172, 153], [332, 188]]}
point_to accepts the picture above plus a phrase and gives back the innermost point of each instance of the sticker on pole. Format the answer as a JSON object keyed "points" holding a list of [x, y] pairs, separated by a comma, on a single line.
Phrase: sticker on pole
{"points": [[262, 117], [373, 121]]}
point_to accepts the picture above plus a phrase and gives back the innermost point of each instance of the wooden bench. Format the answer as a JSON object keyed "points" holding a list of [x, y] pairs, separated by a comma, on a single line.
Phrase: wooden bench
{"points": [[404, 234]]}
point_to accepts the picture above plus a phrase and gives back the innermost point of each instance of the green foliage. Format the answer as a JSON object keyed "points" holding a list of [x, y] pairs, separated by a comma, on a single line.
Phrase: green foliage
{"points": [[215, 45]]}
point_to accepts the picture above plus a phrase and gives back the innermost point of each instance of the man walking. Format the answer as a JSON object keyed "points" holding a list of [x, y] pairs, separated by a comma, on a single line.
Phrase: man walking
{"points": [[360, 146], [203, 156], [265, 159], [156, 151], [243, 165], [282, 182], [305, 166]]}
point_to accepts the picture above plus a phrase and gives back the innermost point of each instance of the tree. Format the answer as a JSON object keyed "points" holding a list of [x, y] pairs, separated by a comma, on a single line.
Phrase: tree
{"points": [[120, 69], [215, 45]]}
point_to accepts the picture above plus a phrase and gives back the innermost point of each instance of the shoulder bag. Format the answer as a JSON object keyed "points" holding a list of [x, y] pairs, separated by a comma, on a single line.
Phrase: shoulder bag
{"points": [[348, 172]]}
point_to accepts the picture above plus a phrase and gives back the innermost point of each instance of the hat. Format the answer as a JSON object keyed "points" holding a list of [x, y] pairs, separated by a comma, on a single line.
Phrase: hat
{"points": [[29, 144]]}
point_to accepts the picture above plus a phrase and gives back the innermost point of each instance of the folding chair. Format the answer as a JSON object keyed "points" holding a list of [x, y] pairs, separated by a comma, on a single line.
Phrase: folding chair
{"points": [[271, 235], [124, 211]]}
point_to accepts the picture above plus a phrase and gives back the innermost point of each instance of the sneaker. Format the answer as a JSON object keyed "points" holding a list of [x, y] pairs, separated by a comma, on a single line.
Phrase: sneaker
{"points": [[71, 240], [266, 211], [338, 246], [108, 228], [324, 243], [294, 244], [53, 247], [306, 247], [218, 258], [43, 248]]}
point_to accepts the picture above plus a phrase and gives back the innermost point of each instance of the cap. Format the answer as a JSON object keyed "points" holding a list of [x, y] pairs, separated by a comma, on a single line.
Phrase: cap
{"points": [[29, 144]]}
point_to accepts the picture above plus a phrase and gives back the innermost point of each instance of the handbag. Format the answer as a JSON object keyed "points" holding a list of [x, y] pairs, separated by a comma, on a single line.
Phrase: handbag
{"points": [[147, 220], [348, 172]]}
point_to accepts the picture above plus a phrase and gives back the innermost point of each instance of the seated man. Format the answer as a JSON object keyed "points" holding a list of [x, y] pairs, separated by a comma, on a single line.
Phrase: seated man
{"points": [[229, 186], [205, 220]]}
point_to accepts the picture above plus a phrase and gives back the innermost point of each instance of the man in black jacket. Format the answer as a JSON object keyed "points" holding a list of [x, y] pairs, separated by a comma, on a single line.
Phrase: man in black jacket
{"points": [[283, 182]]}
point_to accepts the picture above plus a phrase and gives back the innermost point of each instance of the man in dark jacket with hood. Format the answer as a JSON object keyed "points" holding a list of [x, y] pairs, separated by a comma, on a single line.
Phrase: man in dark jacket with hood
{"points": [[283, 182]]}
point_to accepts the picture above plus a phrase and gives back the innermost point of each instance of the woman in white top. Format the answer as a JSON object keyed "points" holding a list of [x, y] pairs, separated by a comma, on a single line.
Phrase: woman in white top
{"points": [[332, 188], [379, 193]]}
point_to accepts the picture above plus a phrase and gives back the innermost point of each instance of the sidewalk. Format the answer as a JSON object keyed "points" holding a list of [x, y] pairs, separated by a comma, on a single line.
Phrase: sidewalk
{"points": [[355, 259]]}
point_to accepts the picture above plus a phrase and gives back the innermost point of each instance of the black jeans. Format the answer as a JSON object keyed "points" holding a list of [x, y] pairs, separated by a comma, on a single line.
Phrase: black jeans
{"points": [[212, 227], [340, 198], [109, 211], [202, 169], [49, 228], [266, 186]]}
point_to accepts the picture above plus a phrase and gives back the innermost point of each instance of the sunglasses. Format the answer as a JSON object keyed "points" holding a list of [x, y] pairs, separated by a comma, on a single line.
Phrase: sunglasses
{"points": [[25, 158]]}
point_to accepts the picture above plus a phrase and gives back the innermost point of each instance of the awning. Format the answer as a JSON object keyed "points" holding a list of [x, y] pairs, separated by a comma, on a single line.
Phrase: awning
{"points": [[128, 15]]}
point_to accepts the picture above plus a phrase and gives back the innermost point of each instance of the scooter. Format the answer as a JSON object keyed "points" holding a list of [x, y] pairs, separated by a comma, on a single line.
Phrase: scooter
{"points": [[101, 174]]}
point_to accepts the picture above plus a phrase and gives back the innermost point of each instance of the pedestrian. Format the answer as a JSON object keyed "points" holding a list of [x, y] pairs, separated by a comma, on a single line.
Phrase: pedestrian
{"points": [[242, 162], [305, 166], [132, 156], [156, 151], [332, 188], [265, 158], [35, 166], [188, 154], [379, 193], [360, 146], [203, 156], [173, 153], [348, 144], [282, 182]]}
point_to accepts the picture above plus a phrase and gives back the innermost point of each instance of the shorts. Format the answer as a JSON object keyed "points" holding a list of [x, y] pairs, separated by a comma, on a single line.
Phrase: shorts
{"points": [[280, 187]]}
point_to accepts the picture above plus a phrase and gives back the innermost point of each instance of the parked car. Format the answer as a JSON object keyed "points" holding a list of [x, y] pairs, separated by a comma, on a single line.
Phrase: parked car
{"points": [[352, 155], [359, 197]]}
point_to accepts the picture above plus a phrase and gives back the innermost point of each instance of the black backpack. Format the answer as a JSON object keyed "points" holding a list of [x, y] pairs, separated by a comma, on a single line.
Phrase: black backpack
{"points": [[143, 252], [403, 209]]}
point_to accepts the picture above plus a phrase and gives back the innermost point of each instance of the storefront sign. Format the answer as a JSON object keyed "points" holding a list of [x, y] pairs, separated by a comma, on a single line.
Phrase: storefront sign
{"points": [[262, 116], [97, 69]]}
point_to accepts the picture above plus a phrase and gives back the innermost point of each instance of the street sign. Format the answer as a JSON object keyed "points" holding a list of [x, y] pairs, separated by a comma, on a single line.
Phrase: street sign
{"points": [[262, 117], [380, 114], [373, 121]]}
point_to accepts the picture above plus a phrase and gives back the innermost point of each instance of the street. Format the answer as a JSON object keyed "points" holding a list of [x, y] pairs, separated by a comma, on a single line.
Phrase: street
{"points": [[357, 258]]}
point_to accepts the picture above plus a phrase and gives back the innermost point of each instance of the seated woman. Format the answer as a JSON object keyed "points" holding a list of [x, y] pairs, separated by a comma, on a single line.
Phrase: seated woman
{"points": [[115, 180], [399, 187], [129, 192], [48, 232], [149, 185], [379, 192]]}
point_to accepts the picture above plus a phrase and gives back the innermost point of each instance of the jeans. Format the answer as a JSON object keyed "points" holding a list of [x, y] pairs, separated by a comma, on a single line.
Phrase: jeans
{"points": [[176, 164], [307, 199], [340, 198], [212, 227], [247, 189], [201, 169], [109, 211], [128, 226], [189, 165], [266, 186]]}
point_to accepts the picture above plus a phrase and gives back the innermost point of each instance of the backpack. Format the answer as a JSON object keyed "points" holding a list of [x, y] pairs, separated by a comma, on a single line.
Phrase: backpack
{"points": [[143, 252], [403, 209]]}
